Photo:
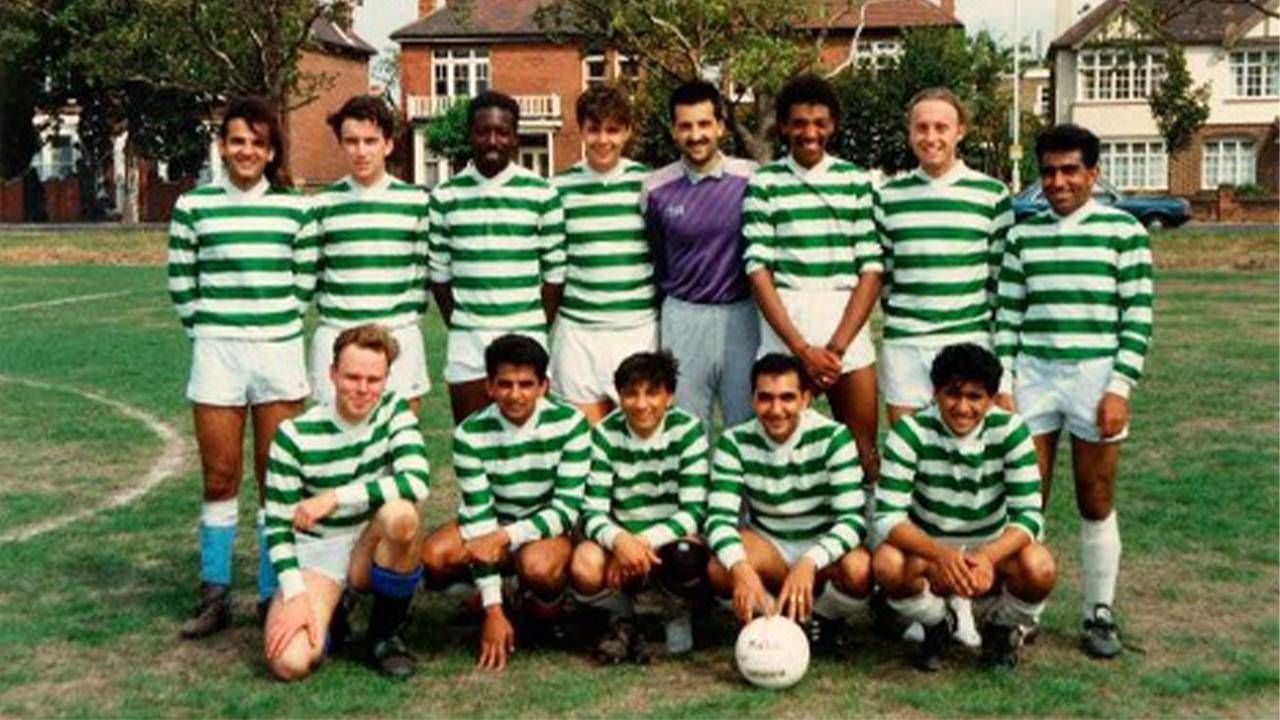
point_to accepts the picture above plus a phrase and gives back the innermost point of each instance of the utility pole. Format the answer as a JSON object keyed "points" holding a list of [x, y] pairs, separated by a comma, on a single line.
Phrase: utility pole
{"points": [[1015, 150]]}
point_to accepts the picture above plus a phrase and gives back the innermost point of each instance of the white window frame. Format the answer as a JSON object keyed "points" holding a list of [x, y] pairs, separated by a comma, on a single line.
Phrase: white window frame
{"points": [[589, 80], [1135, 164], [449, 63], [1255, 73], [1044, 95], [1229, 161], [540, 157], [1110, 74]]}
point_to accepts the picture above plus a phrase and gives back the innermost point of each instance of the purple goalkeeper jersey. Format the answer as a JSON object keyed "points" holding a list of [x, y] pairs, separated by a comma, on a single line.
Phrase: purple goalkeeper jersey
{"points": [[694, 224]]}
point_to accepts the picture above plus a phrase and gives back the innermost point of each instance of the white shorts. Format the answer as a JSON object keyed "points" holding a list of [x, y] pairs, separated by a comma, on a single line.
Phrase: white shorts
{"points": [[233, 373], [1053, 393], [816, 314], [464, 352], [904, 372], [790, 550], [408, 377], [584, 358], [330, 557]]}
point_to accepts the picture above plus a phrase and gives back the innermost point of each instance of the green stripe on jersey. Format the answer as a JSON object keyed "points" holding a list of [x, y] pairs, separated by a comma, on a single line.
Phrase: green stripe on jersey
{"points": [[610, 279], [812, 228], [372, 253], [367, 465], [655, 487], [497, 240], [1077, 288], [943, 239], [964, 490], [240, 264], [806, 489]]}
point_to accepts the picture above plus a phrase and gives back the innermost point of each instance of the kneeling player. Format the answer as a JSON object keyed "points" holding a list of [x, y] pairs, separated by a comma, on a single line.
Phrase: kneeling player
{"points": [[522, 465], [799, 473], [645, 498], [959, 507], [362, 467]]}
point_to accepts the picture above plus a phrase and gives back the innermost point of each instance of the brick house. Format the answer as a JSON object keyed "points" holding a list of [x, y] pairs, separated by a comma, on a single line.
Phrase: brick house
{"points": [[1232, 47], [445, 56]]}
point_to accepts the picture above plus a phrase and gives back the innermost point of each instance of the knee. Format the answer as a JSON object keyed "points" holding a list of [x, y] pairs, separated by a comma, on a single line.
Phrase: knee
{"points": [[398, 522], [887, 565], [293, 664], [1038, 569], [718, 575], [221, 476], [437, 556], [586, 570], [543, 572], [854, 573]]}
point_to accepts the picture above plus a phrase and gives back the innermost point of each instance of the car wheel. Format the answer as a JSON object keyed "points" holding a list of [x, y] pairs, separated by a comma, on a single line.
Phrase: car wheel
{"points": [[1155, 222]]}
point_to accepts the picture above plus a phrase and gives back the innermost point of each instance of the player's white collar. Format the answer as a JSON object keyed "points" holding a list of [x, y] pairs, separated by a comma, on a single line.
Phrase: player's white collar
{"points": [[817, 170], [497, 180], [1088, 208], [613, 173], [715, 171], [253, 193], [507, 426], [806, 419], [382, 184], [957, 171]]}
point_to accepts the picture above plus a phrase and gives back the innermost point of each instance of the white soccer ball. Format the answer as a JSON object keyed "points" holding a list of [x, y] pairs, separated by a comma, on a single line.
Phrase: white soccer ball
{"points": [[772, 652]]}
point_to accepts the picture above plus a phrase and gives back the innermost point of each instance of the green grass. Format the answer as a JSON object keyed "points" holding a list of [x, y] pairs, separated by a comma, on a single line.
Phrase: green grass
{"points": [[89, 613]]}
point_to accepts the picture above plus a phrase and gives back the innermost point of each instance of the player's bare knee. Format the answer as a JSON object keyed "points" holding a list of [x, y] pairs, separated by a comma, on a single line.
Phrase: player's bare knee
{"points": [[543, 572], [221, 479], [398, 522], [888, 566], [586, 569], [1038, 569], [854, 576], [293, 664], [719, 577]]}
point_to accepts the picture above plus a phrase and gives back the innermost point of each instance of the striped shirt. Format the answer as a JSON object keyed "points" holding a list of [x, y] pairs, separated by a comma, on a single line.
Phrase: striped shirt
{"points": [[943, 240], [610, 275], [496, 241], [655, 487], [241, 262], [808, 488], [965, 490], [373, 253], [812, 228], [367, 464], [1076, 288], [528, 479]]}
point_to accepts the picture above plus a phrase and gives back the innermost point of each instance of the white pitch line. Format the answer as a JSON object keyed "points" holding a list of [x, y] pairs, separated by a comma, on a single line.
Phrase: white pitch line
{"points": [[165, 465], [64, 301]]}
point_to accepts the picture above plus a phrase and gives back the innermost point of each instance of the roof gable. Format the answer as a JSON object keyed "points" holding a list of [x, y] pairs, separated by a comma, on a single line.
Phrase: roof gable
{"points": [[1199, 23]]}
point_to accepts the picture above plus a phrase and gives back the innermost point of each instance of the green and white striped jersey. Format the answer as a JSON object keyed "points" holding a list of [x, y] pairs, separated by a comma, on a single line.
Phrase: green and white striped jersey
{"points": [[610, 278], [373, 253], [943, 241], [528, 479], [812, 228], [241, 262], [368, 464], [655, 487], [808, 488], [965, 490], [1076, 288], [496, 241]]}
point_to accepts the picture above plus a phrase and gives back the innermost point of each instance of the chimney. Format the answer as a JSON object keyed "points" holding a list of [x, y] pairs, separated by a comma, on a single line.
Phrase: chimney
{"points": [[426, 7]]}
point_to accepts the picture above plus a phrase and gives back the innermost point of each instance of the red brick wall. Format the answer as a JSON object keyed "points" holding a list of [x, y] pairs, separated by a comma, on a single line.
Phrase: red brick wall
{"points": [[415, 72], [12, 207], [313, 153], [62, 200], [528, 69], [1185, 166]]}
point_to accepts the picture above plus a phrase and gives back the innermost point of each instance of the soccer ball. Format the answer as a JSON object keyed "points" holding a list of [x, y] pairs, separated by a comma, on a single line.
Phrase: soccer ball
{"points": [[772, 652]]}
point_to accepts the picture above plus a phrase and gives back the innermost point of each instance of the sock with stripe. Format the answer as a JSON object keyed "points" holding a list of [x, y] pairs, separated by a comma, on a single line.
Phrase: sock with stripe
{"points": [[217, 539]]}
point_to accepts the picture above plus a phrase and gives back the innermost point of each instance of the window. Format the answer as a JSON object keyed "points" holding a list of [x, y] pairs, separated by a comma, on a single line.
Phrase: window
{"points": [[536, 159], [1043, 95], [57, 159], [879, 54], [596, 69], [1135, 164], [1255, 73], [1229, 161], [1118, 74], [460, 72]]}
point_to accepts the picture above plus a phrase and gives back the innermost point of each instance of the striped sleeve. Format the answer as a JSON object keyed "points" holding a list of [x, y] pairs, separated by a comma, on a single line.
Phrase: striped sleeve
{"points": [[1000, 224], [868, 256], [1022, 479], [553, 262], [724, 502], [476, 513], [1134, 290], [886, 244], [844, 472], [897, 476], [597, 524], [757, 226], [422, 237], [412, 475], [183, 286], [692, 492], [306, 258], [283, 492], [439, 258], [1011, 306], [558, 516]]}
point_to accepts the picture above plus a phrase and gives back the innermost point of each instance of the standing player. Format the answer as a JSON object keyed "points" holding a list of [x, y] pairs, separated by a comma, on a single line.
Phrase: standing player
{"points": [[342, 490], [958, 506], [814, 260], [798, 472], [609, 309], [372, 251], [943, 228], [693, 217], [238, 265], [496, 254], [1073, 327], [522, 467], [645, 500]]}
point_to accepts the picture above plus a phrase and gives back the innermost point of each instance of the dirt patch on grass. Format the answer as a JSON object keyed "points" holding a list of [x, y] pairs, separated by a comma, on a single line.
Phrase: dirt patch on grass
{"points": [[72, 255], [1207, 252]]}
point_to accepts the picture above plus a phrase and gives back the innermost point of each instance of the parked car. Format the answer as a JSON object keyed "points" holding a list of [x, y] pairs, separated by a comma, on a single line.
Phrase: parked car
{"points": [[1154, 211]]}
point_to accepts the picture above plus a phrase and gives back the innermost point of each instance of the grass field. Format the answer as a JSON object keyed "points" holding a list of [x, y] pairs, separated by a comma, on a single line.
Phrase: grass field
{"points": [[89, 612]]}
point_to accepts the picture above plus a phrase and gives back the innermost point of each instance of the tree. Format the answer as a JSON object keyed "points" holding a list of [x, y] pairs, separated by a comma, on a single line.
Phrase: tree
{"points": [[447, 135], [1179, 107]]}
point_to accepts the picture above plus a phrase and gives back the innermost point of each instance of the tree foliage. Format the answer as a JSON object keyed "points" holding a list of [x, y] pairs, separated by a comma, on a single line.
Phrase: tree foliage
{"points": [[1180, 108], [447, 134]]}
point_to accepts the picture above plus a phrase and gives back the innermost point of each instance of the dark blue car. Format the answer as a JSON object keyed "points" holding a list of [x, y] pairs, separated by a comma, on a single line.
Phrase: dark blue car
{"points": [[1154, 211]]}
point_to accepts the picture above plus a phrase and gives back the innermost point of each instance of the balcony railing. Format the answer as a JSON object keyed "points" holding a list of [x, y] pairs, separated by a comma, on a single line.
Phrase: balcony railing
{"points": [[532, 107]]}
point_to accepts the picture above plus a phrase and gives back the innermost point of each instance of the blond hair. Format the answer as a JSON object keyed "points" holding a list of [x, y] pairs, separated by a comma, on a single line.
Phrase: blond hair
{"points": [[943, 94], [369, 337]]}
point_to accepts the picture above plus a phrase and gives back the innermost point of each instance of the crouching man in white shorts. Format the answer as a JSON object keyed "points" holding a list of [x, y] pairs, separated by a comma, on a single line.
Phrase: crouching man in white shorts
{"points": [[342, 490], [814, 260]]}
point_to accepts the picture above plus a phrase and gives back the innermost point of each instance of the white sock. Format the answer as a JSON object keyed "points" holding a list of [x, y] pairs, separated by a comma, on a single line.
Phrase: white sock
{"points": [[1100, 555], [835, 605], [925, 608], [1014, 611], [220, 513], [966, 631]]}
